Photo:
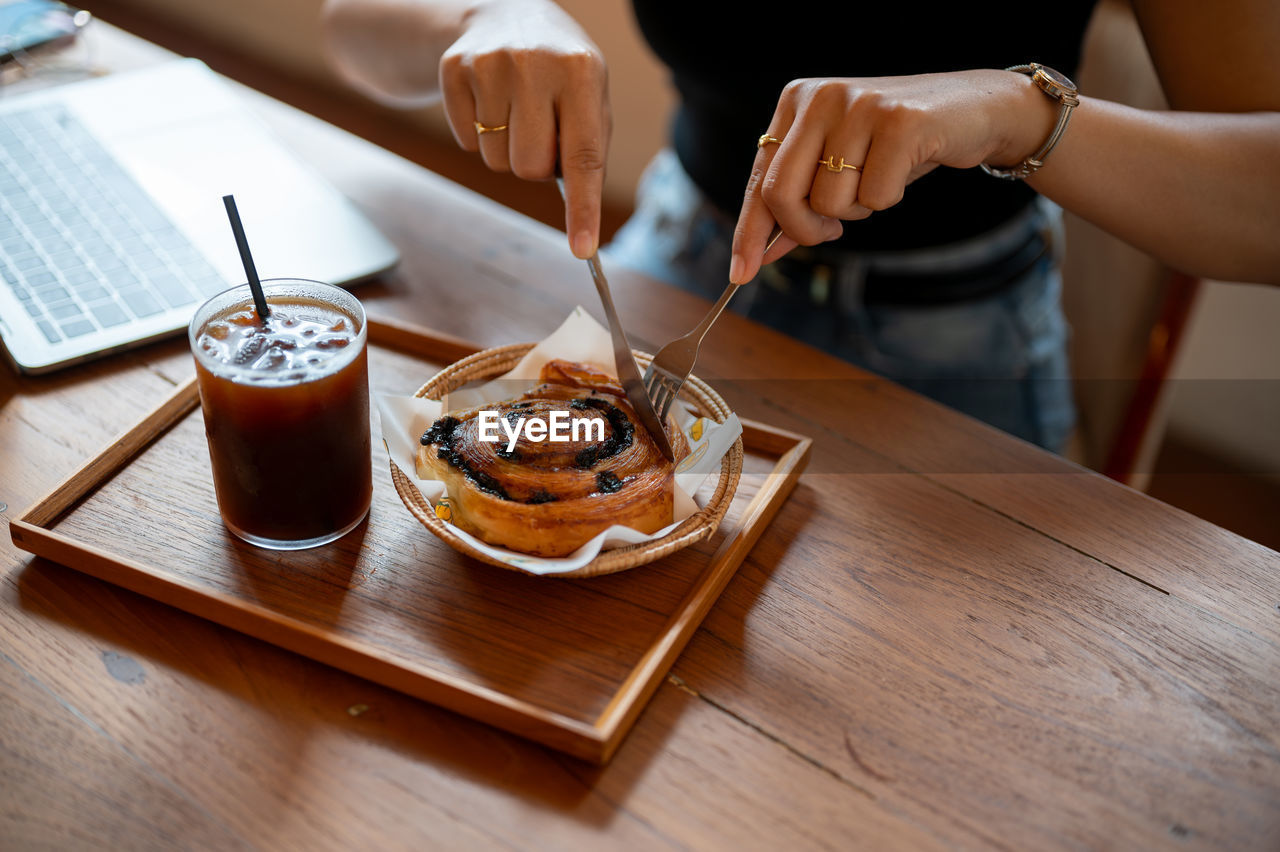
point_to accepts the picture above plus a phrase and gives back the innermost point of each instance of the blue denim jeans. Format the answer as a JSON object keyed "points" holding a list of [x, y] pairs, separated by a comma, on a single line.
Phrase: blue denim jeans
{"points": [[1000, 357]]}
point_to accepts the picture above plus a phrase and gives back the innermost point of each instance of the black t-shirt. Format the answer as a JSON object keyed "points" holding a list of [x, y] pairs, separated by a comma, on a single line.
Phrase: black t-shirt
{"points": [[730, 62]]}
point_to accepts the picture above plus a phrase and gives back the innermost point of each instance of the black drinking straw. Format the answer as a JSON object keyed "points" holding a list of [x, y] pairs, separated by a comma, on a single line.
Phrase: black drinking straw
{"points": [[250, 271]]}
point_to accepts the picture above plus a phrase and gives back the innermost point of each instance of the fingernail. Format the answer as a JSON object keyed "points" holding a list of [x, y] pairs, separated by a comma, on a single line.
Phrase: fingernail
{"points": [[737, 265], [583, 245]]}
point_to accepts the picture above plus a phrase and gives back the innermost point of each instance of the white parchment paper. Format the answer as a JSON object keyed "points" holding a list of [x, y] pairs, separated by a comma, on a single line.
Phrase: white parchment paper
{"points": [[579, 338]]}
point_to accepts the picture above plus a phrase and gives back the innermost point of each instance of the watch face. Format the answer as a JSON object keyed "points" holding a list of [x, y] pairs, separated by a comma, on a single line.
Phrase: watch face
{"points": [[1056, 78]]}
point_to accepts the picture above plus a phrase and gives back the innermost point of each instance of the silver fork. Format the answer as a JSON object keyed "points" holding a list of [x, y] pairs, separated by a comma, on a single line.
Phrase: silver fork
{"points": [[674, 362]]}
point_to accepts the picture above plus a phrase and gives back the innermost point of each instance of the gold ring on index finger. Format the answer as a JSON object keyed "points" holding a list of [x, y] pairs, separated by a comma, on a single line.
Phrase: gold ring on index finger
{"points": [[838, 165], [482, 129], [765, 139]]}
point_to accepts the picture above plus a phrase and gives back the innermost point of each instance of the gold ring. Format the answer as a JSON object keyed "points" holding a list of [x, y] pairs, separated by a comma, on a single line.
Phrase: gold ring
{"points": [[834, 165], [482, 129], [765, 139]]}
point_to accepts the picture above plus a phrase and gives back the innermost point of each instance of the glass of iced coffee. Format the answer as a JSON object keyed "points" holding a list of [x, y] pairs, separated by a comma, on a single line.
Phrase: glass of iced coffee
{"points": [[286, 411]]}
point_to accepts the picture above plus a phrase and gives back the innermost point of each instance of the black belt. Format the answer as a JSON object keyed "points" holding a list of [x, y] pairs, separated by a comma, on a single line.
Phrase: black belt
{"points": [[942, 288]]}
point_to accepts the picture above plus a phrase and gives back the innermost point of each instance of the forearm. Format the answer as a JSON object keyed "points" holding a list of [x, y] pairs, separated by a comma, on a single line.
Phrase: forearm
{"points": [[390, 49], [1199, 191]]}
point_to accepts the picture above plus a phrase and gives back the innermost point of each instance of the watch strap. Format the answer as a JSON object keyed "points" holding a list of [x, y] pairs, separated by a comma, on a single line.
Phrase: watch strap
{"points": [[1067, 98]]}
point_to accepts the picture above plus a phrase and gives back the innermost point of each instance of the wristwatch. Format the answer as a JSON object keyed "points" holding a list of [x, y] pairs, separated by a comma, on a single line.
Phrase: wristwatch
{"points": [[1058, 86]]}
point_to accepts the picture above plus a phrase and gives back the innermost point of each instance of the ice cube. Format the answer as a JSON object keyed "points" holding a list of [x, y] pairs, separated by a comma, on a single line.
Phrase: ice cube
{"points": [[250, 348], [330, 342], [272, 359]]}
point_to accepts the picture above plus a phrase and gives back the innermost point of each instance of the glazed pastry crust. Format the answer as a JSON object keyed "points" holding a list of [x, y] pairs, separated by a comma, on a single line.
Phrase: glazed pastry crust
{"points": [[548, 498]]}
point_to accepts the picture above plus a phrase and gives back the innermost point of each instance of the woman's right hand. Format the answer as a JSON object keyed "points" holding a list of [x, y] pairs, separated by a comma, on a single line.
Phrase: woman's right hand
{"points": [[528, 66], [524, 64]]}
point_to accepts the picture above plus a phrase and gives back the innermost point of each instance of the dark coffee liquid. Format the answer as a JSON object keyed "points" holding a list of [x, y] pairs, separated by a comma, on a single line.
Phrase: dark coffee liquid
{"points": [[288, 420]]}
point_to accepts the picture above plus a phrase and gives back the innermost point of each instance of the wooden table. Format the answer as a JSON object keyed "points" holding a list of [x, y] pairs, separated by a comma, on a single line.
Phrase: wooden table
{"points": [[946, 638]]}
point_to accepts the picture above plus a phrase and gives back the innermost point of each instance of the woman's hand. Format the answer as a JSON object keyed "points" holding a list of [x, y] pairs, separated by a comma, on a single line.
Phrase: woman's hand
{"points": [[877, 135], [527, 67]]}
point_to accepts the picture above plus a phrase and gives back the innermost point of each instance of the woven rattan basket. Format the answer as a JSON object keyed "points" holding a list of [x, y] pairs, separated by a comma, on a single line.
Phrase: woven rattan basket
{"points": [[491, 363]]}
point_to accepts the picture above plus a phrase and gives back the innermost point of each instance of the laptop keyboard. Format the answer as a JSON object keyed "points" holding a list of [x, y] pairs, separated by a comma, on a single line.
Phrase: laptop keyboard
{"points": [[82, 246]]}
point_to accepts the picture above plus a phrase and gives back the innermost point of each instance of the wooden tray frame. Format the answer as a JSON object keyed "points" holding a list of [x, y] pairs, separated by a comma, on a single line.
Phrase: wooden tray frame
{"points": [[33, 531]]}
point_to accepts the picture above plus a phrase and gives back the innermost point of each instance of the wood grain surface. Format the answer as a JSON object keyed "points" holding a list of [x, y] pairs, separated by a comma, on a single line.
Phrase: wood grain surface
{"points": [[945, 639]]}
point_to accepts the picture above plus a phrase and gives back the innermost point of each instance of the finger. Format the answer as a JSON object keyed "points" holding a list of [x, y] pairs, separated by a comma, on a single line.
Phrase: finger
{"points": [[459, 102], [531, 137], [886, 173], [493, 114], [755, 222], [583, 123], [788, 182], [834, 191], [777, 249]]}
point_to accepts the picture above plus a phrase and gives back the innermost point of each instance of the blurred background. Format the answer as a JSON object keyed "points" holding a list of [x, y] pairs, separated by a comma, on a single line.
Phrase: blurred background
{"points": [[1176, 378]]}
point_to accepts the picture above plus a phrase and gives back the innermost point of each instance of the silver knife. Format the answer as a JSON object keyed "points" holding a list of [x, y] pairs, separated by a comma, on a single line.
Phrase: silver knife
{"points": [[624, 362]]}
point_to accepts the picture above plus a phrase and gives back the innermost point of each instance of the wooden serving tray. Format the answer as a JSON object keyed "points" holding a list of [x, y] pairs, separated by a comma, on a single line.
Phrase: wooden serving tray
{"points": [[569, 663]]}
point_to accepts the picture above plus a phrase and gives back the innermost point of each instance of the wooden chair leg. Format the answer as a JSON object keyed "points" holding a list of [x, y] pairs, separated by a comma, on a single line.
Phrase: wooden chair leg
{"points": [[1135, 437]]}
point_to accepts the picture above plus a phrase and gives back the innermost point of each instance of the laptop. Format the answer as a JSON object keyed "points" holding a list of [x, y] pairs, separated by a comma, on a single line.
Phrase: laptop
{"points": [[112, 226]]}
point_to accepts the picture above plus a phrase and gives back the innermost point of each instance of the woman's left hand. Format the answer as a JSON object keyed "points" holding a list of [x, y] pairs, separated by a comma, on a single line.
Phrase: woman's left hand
{"points": [[874, 136]]}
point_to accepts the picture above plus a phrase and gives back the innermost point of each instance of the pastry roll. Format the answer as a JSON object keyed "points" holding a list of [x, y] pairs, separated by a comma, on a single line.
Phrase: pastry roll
{"points": [[549, 470]]}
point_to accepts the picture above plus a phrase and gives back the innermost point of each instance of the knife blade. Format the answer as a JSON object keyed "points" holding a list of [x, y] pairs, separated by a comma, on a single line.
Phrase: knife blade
{"points": [[624, 361]]}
